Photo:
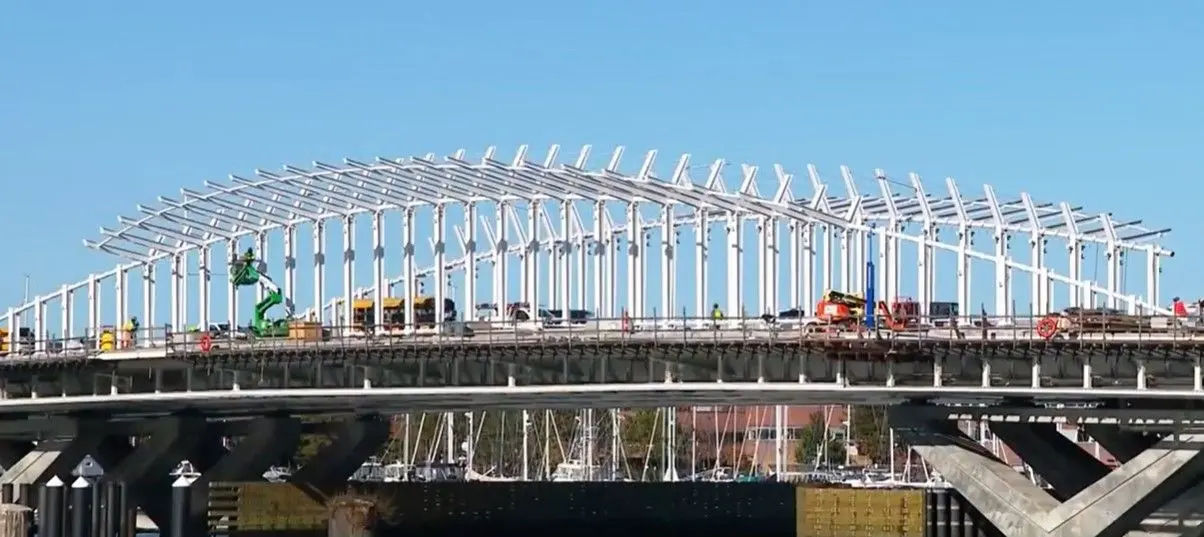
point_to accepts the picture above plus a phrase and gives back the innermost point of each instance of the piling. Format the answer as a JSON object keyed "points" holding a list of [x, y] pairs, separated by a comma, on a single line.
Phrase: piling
{"points": [[50, 509], [112, 510], [80, 507], [352, 516], [181, 509], [15, 520]]}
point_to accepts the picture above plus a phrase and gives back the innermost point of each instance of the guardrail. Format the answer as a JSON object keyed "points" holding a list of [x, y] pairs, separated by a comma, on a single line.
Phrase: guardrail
{"points": [[162, 341]]}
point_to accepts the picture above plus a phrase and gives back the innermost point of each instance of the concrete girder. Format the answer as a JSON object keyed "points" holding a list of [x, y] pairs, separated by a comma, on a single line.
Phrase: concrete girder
{"points": [[58, 457], [354, 442], [12, 451], [1120, 503], [1068, 469], [1124, 445], [146, 472]]}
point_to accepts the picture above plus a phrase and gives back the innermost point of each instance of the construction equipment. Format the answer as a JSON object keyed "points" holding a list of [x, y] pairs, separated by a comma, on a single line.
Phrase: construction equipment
{"points": [[247, 270], [836, 307], [25, 341], [363, 312]]}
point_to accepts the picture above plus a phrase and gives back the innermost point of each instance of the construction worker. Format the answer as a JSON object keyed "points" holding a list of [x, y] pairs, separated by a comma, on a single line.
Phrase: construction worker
{"points": [[130, 330], [1178, 307], [716, 314]]}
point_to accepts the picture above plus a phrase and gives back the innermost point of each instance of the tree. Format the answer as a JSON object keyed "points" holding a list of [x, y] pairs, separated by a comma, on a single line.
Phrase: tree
{"points": [[810, 443], [871, 432]]}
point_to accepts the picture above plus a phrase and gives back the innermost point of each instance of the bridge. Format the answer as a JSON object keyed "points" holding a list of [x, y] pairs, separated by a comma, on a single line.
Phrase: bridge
{"points": [[617, 270]]}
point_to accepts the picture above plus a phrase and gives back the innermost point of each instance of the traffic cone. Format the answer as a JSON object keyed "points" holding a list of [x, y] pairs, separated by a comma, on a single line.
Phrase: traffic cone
{"points": [[625, 321]]}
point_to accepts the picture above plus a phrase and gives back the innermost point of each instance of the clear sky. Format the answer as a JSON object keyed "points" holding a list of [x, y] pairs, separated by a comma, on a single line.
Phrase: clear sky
{"points": [[104, 105]]}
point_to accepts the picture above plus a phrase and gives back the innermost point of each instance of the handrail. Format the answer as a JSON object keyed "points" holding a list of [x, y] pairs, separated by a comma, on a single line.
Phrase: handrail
{"points": [[163, 342]]}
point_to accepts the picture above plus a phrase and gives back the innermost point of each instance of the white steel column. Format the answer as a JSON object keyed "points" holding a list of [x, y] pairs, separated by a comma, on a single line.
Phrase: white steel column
{"points": [[120, 297], [668, 278], [555, 259], [177, 293], [440, 276], [925, 256], [66, 320], [290, 263], [1074, 253], [563, 253], [94, 309], [408, 272], [1003, 284], [232, 254], [319, 281], [1152, 276], [205, 288], [601, 245], [806, 275], [499, 260], [530, 265], [831, 238], [261, 252], [1041, 302], [149, 326], [702, 239], [380, 283], [39, 324], [349, 294], [634, 234], [1114, 256], [735, 265], [964, 244], [763, 282], [470, 258]]}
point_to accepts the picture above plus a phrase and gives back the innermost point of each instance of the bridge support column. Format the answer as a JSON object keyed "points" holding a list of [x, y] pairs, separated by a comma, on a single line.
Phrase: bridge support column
{"points": [[146, 471], [354, 442], [1120, 502], [1068, 469], [58, 457], [268, 441]]}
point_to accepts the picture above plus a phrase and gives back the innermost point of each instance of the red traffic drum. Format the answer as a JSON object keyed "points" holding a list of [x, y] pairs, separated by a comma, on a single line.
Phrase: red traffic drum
{"points": [[206, 343]]}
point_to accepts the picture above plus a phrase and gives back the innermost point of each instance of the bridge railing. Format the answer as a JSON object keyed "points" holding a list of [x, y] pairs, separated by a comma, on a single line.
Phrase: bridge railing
{"points": [[1081, 327]]}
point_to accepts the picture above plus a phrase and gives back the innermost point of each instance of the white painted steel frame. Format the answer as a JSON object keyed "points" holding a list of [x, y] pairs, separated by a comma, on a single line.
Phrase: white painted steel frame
{"points": [[199, 223]]}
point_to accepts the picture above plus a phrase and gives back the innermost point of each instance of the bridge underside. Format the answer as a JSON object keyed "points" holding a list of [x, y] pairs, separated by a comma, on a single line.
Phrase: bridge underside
{"points": [[1158, 490], [145, 467]]}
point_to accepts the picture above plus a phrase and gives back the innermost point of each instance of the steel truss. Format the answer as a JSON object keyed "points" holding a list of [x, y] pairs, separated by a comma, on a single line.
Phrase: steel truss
{"points": [[539, 223]]}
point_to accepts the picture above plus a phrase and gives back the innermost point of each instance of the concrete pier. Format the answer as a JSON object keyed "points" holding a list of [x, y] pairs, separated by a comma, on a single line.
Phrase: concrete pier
{"points": [[144, 467], [1155, 492]]}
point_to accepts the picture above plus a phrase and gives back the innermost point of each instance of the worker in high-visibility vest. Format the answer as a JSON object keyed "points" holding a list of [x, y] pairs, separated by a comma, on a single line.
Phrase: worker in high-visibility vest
{"points": [[131, 332], [716, 314]]}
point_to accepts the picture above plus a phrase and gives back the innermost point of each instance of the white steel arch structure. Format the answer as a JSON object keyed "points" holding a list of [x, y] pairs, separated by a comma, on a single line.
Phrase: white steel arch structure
{"points": [[566, 227]]}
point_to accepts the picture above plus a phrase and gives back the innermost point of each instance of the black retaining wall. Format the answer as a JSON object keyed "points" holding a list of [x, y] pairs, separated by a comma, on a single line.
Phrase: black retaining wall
{"points": [[622, 509]]}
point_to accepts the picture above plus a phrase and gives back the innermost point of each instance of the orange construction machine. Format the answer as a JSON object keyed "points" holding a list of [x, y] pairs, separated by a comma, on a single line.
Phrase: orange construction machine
{"points": [[836, 307]]}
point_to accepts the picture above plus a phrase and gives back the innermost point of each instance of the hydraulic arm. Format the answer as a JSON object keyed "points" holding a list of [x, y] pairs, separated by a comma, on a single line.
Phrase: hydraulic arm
{"points": [[246, 272]]}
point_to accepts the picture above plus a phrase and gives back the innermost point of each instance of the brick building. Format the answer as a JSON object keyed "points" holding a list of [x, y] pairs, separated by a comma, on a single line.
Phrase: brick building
{"points": [[748, 433]]}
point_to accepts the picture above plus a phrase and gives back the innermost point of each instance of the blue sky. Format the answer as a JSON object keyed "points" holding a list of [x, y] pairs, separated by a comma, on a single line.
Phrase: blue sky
{"points": [[106, 106]]}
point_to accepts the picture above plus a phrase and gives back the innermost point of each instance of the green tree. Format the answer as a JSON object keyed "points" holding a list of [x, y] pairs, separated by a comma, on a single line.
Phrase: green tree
{"points": [[870, 432], [810, 442]]}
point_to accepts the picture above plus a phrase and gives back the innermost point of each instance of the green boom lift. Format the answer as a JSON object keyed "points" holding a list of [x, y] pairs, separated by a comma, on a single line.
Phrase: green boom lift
{"points": [[246, 271]]}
